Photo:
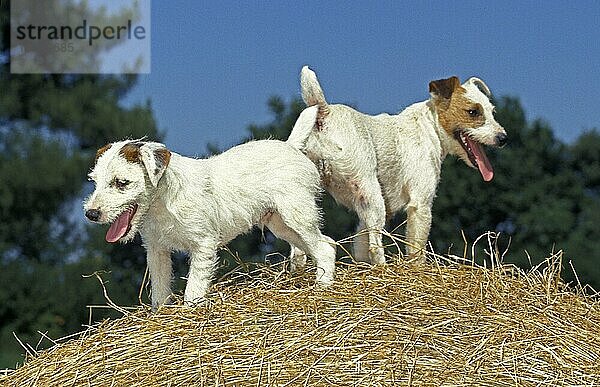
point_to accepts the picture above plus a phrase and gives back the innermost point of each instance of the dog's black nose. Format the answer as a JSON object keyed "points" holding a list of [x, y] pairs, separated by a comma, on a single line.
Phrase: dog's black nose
{"points": [[501, 139], [92, 215]]}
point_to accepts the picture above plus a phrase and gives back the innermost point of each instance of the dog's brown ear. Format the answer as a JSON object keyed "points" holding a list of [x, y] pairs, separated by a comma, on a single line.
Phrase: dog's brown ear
{"points": [[443, 88], [155, 158], [101, 151]]}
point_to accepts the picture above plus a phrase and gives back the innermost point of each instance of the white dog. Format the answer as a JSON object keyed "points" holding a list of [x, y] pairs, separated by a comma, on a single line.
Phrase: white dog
{"points": [[379, 165], [196, 206]]}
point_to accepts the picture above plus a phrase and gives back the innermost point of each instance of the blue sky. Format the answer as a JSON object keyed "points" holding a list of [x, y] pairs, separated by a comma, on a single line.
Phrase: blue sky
{"points": [[215, 64]]}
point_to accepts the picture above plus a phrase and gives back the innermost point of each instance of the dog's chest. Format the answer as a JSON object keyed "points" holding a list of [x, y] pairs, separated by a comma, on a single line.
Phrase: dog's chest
{"points": [[164, 229], [408, 160]]}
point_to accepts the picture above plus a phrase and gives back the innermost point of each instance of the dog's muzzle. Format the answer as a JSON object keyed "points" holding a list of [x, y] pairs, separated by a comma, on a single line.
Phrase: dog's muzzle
{"points": [[501, 139], [92, 215]]}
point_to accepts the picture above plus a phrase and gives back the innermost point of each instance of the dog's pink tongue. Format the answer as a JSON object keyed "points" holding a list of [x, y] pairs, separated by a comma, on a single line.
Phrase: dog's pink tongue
{"points": [[119, 227], [485, 168]]}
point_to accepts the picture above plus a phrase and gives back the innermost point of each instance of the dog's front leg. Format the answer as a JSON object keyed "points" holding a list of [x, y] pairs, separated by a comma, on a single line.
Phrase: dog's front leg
{"points": [[418, 224], [160, 268], [203, 262]]}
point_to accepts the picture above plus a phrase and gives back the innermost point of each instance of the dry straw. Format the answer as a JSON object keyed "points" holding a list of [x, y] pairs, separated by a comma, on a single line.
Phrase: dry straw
{"points": [[448, 323]]}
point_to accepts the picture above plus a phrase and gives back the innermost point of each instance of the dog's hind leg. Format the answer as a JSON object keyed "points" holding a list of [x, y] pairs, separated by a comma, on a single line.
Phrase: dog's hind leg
{"points": [[370, 207], [304, 234], [361, 243]]}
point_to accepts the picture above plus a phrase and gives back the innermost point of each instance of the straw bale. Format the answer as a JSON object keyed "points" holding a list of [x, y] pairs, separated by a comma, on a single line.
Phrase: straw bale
{"points": [[443, 324]]}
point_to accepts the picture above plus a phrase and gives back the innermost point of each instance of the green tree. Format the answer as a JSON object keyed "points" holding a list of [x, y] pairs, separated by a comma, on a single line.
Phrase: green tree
{"points": [[582, 244], [50, 128]]}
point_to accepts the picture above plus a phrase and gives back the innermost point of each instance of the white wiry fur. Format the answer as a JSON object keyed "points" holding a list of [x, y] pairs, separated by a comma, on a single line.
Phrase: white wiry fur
{"points": [[198, 205], [379, 165]]}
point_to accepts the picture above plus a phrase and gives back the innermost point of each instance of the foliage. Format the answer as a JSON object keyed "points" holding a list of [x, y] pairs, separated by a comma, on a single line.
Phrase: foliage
{"points": [[50, 128]]}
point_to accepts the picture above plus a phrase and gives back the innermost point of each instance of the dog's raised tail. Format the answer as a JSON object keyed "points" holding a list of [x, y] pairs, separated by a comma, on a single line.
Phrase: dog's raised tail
{"points": [[312, 93], [303, 127]]}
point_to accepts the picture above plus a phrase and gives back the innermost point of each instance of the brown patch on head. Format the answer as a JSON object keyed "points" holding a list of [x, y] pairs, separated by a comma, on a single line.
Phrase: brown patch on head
{"points": [[131, 152], [444, 87], [101, 151], [455, 111]]}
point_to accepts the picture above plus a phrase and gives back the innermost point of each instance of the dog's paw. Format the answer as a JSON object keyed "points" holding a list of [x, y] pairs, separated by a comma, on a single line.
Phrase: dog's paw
{"points": [[195, 302], [297, 261], [376, 255], [418, 258], [296, 268], [156, 305], [324, 279]]}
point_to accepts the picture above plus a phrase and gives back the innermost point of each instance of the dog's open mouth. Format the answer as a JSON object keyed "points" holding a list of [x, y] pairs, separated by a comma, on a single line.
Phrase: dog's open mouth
{"points": [[121, 226], [476, 155]]}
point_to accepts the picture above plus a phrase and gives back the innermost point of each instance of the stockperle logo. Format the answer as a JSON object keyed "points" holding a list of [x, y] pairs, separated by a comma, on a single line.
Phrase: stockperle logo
{"points": [[76, 36]]}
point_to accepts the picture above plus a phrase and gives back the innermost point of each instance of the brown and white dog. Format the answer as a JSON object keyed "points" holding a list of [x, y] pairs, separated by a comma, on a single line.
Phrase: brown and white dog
{"points": [[379, 165]]}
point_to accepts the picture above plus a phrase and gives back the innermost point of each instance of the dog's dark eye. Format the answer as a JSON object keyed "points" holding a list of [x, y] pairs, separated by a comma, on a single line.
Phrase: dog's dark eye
{"points": [[474, 112], [121, 183]]}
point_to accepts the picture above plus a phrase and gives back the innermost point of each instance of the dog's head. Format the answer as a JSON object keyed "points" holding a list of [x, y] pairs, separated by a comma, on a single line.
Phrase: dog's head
{"points": [[467, 116], [126, 175]]}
